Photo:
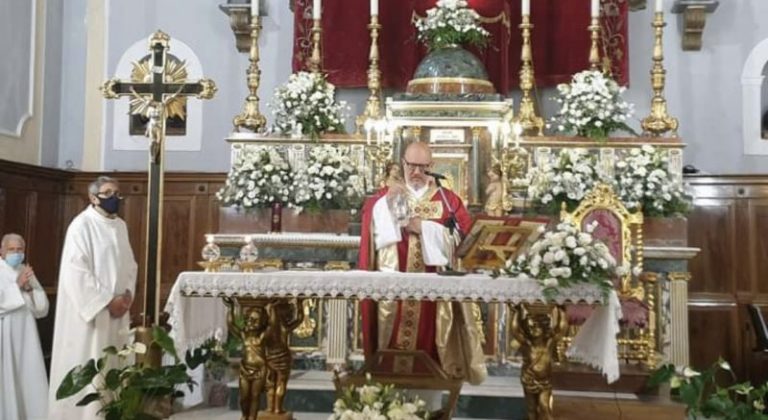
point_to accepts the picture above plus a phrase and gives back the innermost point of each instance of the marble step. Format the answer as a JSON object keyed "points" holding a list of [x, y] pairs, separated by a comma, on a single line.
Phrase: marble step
{"points": [[499, 397]]}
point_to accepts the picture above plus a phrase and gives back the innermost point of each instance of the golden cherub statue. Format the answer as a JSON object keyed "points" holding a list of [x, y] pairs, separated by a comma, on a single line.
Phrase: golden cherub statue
{"points": [[253, 367], [284, 317]]}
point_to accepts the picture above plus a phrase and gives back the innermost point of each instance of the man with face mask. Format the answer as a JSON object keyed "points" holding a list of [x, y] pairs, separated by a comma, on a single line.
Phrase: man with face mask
{"points": [[419, 238], [22, 299], [97, 280]]}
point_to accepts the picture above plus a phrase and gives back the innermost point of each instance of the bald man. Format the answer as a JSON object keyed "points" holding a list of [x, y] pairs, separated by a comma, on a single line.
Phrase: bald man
{"points": [[417, 240]]}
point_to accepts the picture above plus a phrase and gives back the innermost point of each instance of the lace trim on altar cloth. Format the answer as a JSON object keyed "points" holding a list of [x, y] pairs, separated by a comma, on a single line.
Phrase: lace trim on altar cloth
{"points": [[194, 319]]}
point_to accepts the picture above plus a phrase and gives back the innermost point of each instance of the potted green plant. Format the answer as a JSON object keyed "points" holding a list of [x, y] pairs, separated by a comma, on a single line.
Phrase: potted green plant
{"points": [[706, 398], [132, 391]]}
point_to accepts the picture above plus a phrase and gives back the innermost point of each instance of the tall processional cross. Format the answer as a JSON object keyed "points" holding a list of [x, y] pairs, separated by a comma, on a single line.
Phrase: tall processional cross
{"points": [[151, 97]]}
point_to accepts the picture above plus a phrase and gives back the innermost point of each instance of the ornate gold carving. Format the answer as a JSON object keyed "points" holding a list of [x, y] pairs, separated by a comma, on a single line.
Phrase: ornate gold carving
{"points": [[251, 118], [380, 155], [528, 119], [175, 72], [659, 122], [307, 327], [538, 328], [373, 104], [679, 276]]}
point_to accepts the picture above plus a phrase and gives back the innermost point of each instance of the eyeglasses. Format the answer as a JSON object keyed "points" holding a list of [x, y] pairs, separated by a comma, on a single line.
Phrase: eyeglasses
{"points": [[423, 167], [109, 194]]}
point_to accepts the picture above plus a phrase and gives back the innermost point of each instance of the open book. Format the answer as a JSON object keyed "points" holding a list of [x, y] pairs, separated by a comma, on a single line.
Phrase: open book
{"points": [[492, 241]]}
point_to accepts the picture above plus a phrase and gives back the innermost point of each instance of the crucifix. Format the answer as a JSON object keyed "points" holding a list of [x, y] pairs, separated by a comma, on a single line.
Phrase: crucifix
{"points": [[153, 94]]}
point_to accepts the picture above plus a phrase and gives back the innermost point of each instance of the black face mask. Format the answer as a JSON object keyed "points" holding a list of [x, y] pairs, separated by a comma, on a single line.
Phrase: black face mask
{"points": [[110, 205]]}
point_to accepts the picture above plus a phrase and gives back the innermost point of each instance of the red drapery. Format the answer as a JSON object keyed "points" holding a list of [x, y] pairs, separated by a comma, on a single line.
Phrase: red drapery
{"points": [[560, 39]]}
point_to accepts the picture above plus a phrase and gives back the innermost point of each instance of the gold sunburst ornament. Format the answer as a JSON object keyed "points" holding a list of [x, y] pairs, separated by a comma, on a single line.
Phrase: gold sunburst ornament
{"points": [[175, 72]]}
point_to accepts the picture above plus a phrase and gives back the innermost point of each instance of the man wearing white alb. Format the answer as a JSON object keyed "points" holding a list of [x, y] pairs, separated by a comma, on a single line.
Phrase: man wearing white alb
{"points": [[22, 299], [97, 280]]}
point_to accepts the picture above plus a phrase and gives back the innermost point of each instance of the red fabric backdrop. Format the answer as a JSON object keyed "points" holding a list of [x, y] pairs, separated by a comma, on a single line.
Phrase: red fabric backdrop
{"points": [[560, 39]]}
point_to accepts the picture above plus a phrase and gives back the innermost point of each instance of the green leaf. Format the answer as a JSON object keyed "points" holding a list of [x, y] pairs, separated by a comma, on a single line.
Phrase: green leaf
{"points": [[93, 396], [161, 337], [112, 379], [77, 379]]}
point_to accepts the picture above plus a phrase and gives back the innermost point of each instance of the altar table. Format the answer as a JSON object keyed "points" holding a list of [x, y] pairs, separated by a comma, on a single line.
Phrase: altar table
{"points": [[196, 317]]}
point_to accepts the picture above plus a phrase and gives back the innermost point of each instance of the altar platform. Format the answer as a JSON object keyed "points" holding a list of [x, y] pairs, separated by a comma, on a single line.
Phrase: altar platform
{"points": [[310, 393]]}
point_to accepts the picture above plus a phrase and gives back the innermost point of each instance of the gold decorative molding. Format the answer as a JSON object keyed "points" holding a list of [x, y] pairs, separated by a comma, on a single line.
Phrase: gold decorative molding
{"points": [[240, 22], [694, 19], [679, 276]]}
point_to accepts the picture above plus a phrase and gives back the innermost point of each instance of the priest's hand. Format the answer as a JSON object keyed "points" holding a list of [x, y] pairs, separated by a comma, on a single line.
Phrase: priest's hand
{"points": [[120, 305], [414, 225], [24, 278]]}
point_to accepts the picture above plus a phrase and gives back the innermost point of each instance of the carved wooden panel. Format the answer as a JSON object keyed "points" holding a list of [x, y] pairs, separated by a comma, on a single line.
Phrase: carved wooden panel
{"points": [[714, 332], [712, 228], [758, 243]]}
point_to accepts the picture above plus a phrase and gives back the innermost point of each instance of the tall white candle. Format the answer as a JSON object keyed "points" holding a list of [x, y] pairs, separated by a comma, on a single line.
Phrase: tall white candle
{"points": [[526, 8], [254, 7], [659, 6], [374, 7], [316, 9], [595, 8]]}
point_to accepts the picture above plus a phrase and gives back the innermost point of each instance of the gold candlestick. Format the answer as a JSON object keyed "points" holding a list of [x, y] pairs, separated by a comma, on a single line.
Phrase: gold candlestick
{"points": [[659, 122], [528, 118], [316, 60], [373, 105], [251, 118], [594, 51]]}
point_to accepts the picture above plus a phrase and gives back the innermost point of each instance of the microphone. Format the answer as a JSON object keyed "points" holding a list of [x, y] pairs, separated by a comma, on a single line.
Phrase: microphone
{"points": [[435, 175]]}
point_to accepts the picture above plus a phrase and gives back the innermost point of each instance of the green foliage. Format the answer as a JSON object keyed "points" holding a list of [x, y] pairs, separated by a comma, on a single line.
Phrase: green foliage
{"points": [[705, 397], [122, 388], [374, 400]]}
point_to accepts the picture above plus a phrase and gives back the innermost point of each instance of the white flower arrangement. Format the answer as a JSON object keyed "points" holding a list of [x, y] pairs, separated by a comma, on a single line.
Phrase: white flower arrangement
{"points": [[451, 22], [591, 106], [568, 179], [306, 104], [643, 181], [374, 401], [565, 257], [330, 181], [259, 177]]}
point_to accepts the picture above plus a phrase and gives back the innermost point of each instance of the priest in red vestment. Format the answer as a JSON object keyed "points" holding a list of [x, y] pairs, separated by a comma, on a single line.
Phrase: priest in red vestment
{"points": [[422, 242]]}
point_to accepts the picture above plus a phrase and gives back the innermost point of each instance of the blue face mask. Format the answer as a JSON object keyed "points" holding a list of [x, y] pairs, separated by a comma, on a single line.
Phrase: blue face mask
{"points": [[110, 205], [14, 259]]}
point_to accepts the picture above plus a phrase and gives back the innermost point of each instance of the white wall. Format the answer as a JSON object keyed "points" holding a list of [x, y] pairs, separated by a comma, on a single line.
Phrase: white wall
{"points": [[703, 87]]}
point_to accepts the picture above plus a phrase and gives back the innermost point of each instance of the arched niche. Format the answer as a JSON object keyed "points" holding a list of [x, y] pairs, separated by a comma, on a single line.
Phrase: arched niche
{"points": [[754, 101], [192, 140]]}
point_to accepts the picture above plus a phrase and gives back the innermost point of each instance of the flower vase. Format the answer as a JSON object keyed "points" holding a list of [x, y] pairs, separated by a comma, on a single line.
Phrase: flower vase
{"points": [[450, 70], [277, 217]]}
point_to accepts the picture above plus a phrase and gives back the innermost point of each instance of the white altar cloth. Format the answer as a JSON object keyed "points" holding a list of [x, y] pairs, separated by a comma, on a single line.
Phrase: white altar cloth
{"points": [[194, 320]]}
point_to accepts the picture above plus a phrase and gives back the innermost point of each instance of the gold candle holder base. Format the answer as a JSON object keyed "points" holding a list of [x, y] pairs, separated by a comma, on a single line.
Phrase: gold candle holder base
{"points": [[594, 50], [373, 105], [248, 266], [210, 266], [251, 118], [528, 119], [658, 122], [315, 64]]}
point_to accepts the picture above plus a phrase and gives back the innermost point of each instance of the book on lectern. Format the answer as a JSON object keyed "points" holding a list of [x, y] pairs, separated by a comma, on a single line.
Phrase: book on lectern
{"points": [[492, 241]]}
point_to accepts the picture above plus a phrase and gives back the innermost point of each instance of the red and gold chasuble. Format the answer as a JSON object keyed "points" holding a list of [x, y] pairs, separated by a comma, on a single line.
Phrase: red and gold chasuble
{"points": [[412, 324]]}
